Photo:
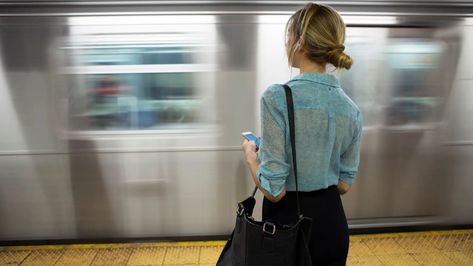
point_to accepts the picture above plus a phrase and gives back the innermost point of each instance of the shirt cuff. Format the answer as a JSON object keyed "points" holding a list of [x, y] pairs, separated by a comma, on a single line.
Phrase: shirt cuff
{"points": [[347, 178], [273, 187]]}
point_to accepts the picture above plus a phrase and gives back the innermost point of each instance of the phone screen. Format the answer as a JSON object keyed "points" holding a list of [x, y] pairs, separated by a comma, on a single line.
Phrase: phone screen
{"points": [[252, 137]]}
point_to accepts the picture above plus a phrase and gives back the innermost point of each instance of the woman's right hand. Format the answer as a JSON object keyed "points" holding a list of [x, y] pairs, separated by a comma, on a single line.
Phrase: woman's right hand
{"points": [[249, 149], [343, 187]]}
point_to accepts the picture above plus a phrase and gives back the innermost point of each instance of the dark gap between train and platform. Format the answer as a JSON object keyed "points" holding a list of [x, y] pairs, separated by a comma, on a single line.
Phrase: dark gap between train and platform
{"points": [[407, 229]]}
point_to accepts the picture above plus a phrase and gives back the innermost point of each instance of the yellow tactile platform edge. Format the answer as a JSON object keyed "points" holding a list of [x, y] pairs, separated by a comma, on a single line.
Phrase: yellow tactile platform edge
{"points": [[220, 243], [453, 247]]}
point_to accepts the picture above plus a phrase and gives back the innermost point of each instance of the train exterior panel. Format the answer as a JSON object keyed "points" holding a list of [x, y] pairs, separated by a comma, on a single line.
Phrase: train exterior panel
{"points": [[123, 119]]}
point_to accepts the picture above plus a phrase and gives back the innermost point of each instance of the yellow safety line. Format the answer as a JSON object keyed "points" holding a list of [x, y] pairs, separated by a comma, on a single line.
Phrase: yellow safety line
{"points": [[218, 243]]}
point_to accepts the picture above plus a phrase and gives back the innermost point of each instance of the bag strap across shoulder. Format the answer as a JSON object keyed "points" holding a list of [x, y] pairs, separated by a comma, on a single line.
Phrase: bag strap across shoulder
{"points": [[292, 133]]}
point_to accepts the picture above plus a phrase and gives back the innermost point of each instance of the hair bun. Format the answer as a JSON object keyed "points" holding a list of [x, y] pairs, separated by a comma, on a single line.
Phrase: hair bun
{"points": [[338, 58], [319, 32]]}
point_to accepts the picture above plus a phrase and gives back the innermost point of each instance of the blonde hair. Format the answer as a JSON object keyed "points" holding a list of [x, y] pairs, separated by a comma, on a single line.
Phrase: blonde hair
{"points": [[320, 32]]}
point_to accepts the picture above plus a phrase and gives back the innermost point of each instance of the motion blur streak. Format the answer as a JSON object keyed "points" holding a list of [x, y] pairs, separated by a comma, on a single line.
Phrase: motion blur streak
{"points": [[129, 125], [371, 20]]}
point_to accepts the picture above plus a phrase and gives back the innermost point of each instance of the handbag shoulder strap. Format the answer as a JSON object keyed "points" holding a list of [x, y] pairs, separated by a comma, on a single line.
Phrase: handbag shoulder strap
{"points": [[292, 133]]}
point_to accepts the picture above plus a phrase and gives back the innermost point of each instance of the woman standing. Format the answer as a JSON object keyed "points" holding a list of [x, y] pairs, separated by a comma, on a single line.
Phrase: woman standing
{"points": [[328, 127]]}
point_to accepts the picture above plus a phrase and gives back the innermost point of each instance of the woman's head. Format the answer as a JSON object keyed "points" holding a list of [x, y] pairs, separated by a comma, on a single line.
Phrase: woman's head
{"points": [[318, 33]]}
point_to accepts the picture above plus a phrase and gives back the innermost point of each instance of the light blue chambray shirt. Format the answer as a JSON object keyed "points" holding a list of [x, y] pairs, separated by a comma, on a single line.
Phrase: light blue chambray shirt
{"points": [[328, 129]]}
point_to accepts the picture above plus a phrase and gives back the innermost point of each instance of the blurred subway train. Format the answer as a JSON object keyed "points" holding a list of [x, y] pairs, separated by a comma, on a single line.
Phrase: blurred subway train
{"points": [[122, 119]]}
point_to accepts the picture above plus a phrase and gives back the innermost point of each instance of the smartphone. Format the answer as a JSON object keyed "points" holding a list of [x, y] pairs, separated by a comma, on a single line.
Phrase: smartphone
{"points": [[251, 137]]}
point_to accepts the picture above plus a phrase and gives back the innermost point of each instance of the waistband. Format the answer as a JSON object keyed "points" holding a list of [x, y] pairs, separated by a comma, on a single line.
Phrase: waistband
{"points": [[330, 189]]}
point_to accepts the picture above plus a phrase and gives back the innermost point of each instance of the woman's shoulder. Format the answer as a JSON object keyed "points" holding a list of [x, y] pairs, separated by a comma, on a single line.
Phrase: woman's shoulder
{"points": [[274, 93], [353, 107]]}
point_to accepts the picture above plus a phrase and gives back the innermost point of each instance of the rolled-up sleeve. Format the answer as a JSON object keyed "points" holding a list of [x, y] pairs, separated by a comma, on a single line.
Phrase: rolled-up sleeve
{"points": [[350, 158], [274, 169]]}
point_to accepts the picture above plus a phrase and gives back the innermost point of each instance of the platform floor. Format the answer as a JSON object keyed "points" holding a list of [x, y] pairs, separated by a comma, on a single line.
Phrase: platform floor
{"points": [[418, 248]]}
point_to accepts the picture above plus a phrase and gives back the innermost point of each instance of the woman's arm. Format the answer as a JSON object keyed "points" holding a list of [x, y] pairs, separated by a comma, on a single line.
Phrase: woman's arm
{"points": [[249, 148], [350, 158]]}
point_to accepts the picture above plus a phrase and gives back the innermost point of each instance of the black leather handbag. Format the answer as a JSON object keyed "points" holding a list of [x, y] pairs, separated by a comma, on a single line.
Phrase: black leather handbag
{"points": [[261, 243]]}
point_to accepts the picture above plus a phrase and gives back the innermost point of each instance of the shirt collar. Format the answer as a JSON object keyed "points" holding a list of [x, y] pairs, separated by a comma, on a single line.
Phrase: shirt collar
{"points": [[319, 77]]}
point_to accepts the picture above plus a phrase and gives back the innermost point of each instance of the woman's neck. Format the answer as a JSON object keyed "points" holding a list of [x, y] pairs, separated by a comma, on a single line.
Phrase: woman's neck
{"points": [[306, 65]]}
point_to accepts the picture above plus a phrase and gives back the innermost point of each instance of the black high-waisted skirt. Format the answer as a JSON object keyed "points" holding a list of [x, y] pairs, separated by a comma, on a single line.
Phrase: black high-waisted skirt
{"points": [[329, 238]]}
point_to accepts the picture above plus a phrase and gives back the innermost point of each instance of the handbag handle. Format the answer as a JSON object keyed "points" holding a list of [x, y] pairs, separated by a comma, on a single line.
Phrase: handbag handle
{"points": [[292, 134]]}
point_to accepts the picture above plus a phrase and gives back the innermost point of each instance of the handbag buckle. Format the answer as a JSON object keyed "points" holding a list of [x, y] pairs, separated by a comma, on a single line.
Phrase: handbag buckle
{"points": [[269, 224]]}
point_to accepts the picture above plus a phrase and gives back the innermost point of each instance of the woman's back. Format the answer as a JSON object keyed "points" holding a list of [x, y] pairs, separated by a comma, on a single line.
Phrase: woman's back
{"points": [[328, 127]]}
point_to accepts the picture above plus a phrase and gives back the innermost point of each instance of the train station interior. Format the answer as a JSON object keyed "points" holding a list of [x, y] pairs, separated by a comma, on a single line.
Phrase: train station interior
{"points": [[121, 127]]}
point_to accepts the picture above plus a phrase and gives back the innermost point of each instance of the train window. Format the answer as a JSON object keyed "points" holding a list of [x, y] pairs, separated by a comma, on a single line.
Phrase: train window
{"points": [[142, 86], [133, 101], [166, 55], [138, 73], [133, 55], [394, 81], [413, 66]]}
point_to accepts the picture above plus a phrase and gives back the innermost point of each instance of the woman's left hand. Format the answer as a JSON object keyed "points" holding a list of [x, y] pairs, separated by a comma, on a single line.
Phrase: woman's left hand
{"points": [[343, 187], [249, 149]]}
